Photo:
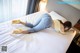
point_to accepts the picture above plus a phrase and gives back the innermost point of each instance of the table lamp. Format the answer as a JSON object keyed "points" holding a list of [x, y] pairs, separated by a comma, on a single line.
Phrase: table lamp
{"points": [[42, 5]]}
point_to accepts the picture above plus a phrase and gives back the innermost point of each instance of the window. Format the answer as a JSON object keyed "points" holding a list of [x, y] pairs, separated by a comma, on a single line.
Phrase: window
{"points": [[10, 9]]}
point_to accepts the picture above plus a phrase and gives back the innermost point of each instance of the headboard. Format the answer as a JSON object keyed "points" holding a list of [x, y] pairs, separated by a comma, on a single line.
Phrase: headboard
{"points": [[70, 13]]}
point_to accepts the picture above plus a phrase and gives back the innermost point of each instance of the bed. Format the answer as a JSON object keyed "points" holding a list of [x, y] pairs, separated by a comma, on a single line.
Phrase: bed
{"points": [[45, 41]]}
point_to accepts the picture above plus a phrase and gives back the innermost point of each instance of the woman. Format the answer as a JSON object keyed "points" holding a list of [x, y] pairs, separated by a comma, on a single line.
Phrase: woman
{"points": [[44, 22]]}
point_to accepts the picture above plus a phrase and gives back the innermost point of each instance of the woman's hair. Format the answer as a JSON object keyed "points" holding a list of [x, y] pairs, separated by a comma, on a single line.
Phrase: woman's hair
{"points": [[66, 24]]}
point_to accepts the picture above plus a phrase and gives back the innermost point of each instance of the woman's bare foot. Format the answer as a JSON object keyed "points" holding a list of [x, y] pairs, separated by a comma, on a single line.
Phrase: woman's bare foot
{"points": [[17, 31], [25, 32], [16, 22]]}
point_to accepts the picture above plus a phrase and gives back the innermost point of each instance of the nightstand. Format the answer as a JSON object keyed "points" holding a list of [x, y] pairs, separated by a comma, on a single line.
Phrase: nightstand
{"points": [[77, 37]]}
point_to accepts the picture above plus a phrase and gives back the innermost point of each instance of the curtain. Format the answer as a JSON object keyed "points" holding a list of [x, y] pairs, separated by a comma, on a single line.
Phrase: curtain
{"points": [[11, 9], [33, 6]]}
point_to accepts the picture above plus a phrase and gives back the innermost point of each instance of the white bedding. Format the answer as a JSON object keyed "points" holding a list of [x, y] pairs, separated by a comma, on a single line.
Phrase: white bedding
{"points": [[45, 41]]}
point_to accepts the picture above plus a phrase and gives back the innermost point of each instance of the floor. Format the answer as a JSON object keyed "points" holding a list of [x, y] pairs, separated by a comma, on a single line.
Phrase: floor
{"points": [[73, 48]]}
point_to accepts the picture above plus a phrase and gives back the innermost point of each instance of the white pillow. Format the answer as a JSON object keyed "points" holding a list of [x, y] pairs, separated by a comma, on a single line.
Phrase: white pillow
{"points": [[55, 16]]}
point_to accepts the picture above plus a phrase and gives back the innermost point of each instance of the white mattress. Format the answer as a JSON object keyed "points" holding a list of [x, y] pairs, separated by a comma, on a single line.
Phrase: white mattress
{"points": [[45, 41]]}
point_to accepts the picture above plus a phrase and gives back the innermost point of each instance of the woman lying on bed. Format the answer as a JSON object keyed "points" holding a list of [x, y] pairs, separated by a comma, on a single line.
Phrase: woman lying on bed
{"points": [[45, 22]]}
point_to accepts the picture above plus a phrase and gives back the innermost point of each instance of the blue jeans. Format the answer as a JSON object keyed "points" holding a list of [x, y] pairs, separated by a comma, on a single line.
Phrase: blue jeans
{"points": [[44, 22]]}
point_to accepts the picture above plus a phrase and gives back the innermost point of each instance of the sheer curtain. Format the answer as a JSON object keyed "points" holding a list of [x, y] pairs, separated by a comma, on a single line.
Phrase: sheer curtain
{"points": [[10, 9]]}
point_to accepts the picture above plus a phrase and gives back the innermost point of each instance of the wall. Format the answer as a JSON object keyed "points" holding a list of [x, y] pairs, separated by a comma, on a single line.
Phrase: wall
{"points": [[70, 13], [74, 3]]}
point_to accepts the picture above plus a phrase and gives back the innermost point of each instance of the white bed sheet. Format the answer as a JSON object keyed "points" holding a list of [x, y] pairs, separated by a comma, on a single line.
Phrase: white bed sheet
{"points": [[45, 41]]}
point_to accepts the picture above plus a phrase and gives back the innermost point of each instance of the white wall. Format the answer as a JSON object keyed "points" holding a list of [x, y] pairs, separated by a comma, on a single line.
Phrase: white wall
{"points": [[75, 4], [70, 13]]}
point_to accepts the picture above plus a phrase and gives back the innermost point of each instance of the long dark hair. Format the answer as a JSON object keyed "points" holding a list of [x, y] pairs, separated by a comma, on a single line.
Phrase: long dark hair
{"points": [[66, 24]]}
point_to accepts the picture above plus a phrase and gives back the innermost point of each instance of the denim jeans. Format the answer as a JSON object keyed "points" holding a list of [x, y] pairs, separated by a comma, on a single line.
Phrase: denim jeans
{"points": [[44, 22]]}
